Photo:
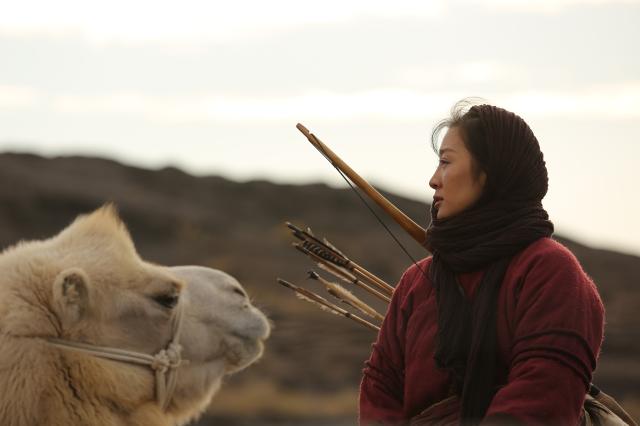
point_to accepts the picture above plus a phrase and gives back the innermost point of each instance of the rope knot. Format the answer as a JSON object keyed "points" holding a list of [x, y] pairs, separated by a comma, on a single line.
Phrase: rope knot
{"points": [[174, 354], [161, 362], [167, 358]]}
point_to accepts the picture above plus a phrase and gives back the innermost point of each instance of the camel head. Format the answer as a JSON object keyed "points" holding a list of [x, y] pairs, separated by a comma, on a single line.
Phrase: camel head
{"points": [[88, 285]]}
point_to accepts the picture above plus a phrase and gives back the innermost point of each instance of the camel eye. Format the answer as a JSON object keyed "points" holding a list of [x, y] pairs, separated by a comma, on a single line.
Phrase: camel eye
{"points": [[167, 300]]}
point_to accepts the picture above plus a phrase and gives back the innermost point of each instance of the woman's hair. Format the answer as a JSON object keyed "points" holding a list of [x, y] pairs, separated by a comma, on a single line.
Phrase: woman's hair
{"points": [[471, 129], [502, 146]]}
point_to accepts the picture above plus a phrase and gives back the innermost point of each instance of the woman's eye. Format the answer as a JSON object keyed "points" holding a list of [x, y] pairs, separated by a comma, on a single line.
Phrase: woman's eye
{"points": [[167, 300], [443, 161]]}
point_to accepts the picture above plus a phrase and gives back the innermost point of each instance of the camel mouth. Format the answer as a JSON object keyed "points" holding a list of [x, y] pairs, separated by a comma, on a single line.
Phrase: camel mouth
{"points": [[240, 344], [237, 351], [249, 341], [242, 351]]}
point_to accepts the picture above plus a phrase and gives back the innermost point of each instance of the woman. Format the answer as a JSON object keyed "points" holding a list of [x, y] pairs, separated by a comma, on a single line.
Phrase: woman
{"points": [[501, 324]]}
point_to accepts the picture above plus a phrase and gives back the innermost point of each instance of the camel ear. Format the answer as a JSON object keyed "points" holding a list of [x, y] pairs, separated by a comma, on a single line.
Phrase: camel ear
{"points": [[71, 294]]}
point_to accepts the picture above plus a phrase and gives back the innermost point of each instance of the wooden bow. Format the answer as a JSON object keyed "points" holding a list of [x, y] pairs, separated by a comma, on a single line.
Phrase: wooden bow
{"points": [[416, 231]]}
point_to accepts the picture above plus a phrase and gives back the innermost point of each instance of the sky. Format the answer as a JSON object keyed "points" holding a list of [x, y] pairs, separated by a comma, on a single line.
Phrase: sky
{"points": [[217, 88]]}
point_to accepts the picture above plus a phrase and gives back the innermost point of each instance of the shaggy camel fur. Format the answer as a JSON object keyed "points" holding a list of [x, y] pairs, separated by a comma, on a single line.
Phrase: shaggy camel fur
{"points": [[88, 284]]}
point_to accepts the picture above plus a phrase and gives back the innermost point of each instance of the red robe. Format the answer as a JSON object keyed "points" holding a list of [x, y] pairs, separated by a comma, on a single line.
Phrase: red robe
{"points": [[550, 327]]}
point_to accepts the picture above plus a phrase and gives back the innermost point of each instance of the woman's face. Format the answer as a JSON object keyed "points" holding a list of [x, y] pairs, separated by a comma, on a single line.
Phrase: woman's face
{"points": [[457, 187]]}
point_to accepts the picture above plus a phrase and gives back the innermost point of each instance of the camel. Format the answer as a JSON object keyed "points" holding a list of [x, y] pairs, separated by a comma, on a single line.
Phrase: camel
{"points": [[170, 334]]}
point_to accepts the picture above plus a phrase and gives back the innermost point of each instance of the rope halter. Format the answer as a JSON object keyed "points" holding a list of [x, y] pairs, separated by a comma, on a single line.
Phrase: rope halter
{"points": [[164, 364]]}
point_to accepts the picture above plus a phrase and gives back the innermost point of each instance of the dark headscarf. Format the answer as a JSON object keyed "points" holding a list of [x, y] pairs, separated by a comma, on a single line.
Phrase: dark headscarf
{"points": [[507, 218]]}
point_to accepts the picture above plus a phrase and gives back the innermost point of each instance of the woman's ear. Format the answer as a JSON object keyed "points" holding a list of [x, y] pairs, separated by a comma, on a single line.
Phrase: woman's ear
{"points": [[71, 295]]}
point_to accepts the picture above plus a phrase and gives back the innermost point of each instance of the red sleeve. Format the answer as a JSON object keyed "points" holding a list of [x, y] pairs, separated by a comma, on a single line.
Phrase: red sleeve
{"points": [[382, 386], [558, 321]]}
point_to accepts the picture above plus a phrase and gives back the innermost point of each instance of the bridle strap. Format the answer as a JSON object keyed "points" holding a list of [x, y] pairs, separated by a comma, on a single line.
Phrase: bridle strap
{"points": [[165, 363]]}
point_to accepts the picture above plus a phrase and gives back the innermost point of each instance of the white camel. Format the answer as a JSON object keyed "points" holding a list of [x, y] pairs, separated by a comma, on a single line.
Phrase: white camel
{"points": [[91, 334]]}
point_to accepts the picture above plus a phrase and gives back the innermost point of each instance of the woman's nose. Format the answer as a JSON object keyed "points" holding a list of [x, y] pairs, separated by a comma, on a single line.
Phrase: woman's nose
{"points": [[434, 182]]}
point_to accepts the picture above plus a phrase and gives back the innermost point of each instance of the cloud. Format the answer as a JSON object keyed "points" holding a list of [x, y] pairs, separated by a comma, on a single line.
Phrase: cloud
{"points": [[612, 101], [18, 97], [474, 72], [546, 6], [394, 104], [194, 21], [615, 101]]}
